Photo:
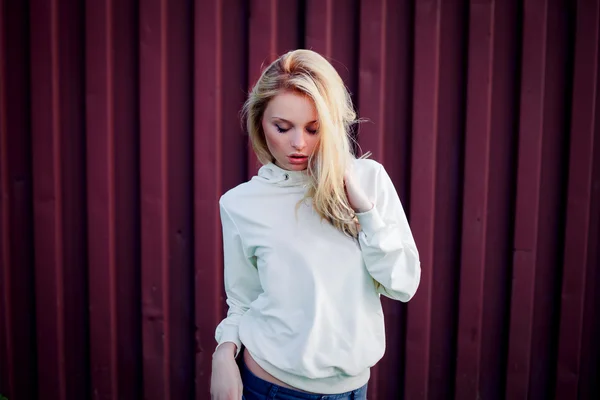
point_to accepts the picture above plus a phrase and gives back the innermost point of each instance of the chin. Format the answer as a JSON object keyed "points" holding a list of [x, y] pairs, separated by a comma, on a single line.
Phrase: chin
{"points": [[297, 167]]}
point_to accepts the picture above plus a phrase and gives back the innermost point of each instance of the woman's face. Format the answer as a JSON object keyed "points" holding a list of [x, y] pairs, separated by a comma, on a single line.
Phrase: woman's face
{"points": [[291, 130]]}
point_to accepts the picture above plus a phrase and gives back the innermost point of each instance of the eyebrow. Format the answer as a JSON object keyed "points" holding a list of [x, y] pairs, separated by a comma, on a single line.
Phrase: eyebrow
{"points": [[285, 120]]}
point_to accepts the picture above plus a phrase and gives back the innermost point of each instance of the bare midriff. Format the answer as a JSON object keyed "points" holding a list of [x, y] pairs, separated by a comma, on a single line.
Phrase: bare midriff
{"points": [[262, 374]]}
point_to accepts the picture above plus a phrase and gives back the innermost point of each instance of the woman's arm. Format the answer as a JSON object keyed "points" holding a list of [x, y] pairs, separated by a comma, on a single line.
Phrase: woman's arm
{"points": [[225, 380], [242, 285], [386, 241]]}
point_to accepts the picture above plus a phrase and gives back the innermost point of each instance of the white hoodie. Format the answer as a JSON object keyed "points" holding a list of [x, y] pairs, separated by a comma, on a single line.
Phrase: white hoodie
{"points": [[303, 297]]}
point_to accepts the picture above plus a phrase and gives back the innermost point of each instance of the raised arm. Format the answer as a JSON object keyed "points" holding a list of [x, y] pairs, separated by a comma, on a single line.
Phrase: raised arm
{"points": [[387, 243]]}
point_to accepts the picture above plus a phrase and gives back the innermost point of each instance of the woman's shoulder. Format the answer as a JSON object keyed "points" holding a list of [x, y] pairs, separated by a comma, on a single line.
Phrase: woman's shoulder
{"points": [[245, 197], [367, 168], [367, 164], [237, 193]]}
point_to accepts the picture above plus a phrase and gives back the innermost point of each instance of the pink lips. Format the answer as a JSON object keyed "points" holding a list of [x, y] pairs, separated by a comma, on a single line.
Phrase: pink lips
{"points": [[297, 158]]}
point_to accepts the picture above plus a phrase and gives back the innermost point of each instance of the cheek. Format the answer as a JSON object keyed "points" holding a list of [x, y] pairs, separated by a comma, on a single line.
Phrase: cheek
{"points": [[313, 142], [273, 139]]}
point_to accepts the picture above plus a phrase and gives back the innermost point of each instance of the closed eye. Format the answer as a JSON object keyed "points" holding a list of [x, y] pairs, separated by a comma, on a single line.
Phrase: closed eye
{"points": [[280, 129], [283, 130]]}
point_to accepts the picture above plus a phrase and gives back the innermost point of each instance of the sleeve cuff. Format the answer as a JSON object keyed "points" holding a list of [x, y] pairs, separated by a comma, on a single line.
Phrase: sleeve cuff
{"points": [[230, 335], [370, 221]]}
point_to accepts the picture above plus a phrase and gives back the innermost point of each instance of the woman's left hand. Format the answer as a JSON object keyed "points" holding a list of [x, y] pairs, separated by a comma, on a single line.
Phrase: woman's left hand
{"points": [[356, 195]]}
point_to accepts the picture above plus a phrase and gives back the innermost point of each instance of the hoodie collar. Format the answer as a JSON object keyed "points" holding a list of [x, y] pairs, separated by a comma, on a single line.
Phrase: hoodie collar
{"points": [[281, 177]]}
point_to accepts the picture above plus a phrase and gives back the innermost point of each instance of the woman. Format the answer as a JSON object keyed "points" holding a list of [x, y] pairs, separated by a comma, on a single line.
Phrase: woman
{"points": [[309, 245]]}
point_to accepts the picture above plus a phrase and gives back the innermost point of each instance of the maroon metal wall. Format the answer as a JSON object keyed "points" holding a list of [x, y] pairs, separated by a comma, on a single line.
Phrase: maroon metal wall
{"points": [[120, 130]]}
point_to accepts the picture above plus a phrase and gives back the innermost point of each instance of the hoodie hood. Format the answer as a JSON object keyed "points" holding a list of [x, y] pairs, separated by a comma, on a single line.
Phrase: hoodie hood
{"points": [[271, 173]]}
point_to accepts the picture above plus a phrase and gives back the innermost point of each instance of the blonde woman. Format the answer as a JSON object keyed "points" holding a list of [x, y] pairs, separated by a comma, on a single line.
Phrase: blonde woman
{"points": [[309, 245]]}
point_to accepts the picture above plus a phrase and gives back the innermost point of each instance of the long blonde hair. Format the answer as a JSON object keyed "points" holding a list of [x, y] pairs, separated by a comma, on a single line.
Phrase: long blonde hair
{"points": [[308, 73]]}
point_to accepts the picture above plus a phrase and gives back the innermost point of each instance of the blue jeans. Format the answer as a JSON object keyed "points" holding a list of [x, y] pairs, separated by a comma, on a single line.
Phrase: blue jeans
{"points": [[258, 389]]}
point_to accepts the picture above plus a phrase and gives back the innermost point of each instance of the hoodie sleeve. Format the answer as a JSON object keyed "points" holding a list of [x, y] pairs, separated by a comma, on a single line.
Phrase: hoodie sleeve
{"points": [[242, 284], [387, 243]]}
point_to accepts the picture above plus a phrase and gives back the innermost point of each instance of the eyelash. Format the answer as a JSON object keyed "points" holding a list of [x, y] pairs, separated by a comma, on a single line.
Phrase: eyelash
{"points": [[281, 130]]}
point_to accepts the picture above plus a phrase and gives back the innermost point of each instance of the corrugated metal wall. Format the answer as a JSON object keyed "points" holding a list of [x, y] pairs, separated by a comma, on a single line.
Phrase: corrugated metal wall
{"points": [[120, 130]]}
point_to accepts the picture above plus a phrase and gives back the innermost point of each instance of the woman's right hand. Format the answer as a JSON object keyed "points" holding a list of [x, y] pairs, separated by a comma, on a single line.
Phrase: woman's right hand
{"points": [[225, 381]]}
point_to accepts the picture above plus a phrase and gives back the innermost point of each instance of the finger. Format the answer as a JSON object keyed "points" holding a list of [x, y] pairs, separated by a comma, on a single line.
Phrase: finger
{"points": [[347, 177]]}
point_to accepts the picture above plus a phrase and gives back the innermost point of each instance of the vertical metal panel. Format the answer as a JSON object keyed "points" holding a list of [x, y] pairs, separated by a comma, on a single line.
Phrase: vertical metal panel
{"points": [[119, 131], [112, 184], [527, 205], [47, 198], [552, 191], [395, 154], [486, 225], [451, 92], [220, 158], [579, 197], [126, 249], [538, 229], [233, 92], [423, 192], [477, 160], [153, 198], [504, 120], [436, 179], [207, 184], [166, 195], [101, 199], [6, 346], [590, 347], [59, 197], [179, 126], [17, 305]]}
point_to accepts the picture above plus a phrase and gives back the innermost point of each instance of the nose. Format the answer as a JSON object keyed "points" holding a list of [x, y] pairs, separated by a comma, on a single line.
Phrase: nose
{"points": [[298, 141]]}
